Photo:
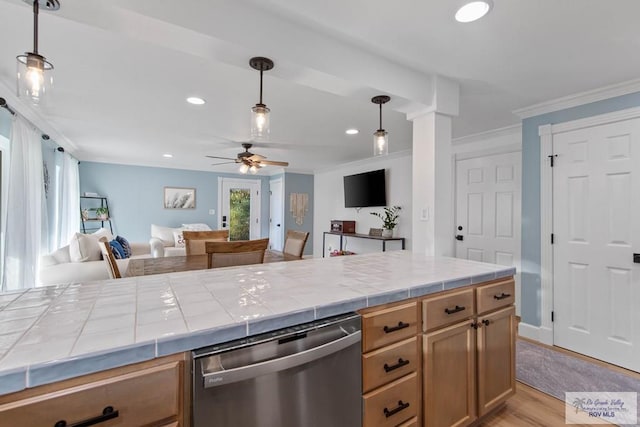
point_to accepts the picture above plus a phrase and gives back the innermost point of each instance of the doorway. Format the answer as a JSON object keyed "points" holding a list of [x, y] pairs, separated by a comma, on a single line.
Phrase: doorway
{"points": [[596, 228], [488, 192], [276, 207], [239, 207]]}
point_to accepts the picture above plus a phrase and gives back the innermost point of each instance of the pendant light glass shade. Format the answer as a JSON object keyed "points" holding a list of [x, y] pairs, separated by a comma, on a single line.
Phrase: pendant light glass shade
{"points": [[260, 112], [260, 122], [381, 136], [34, 80], [380, 142], [243, 168]]}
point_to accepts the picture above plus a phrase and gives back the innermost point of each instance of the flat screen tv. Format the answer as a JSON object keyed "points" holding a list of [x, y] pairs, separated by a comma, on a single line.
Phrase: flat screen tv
{"points": [[365, 189]]}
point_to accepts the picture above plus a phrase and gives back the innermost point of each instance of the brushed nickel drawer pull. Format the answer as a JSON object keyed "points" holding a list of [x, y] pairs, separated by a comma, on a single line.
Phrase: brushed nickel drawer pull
{"points": [[501, 296], [454, 310], [401, 362], [400, 407], [401, 325]]}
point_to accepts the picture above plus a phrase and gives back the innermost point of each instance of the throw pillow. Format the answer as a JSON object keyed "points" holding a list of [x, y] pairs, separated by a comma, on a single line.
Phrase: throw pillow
{"points": [[117, 250], [196, 227], [83, 247], [178, 239], [125, 245], [103, 232]]}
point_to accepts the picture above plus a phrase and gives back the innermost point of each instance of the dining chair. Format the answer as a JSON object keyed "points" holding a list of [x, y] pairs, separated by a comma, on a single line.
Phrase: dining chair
{"points": [[238, 252], [112, 266], [294, 243], [194, 240]]}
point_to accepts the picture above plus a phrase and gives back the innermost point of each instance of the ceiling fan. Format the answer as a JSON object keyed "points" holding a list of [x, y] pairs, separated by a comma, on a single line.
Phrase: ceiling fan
{"points": [[249, 162]]}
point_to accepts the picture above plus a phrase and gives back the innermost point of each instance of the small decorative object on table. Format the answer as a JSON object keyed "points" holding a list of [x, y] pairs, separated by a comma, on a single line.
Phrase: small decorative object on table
{"points": [[85, 214], [340, 253], [389, 219], [375, 232]]}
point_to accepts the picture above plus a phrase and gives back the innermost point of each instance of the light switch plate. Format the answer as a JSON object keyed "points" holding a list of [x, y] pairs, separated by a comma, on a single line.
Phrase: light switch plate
{"points": [[424, 214]]}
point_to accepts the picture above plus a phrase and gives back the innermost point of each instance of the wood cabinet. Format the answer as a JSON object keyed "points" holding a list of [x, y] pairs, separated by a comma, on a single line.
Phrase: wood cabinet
{"points": [[391, 364], [144, 394], [458, 347]]}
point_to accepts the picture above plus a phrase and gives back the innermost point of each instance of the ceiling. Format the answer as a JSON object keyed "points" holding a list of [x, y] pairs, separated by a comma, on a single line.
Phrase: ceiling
{"points": [[124, 69]]}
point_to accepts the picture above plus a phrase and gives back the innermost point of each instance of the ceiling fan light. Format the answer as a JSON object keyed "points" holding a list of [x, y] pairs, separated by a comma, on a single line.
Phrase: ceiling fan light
{"points": [[260, 122], [243, 168], [253, 169], [380, 143]]}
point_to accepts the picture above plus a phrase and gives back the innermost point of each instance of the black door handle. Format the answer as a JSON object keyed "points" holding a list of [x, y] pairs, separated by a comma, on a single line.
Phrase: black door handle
{"points": [[108, 413], [457, 309], [277, 225], [459, 237], [401, 405], [636, 258]]}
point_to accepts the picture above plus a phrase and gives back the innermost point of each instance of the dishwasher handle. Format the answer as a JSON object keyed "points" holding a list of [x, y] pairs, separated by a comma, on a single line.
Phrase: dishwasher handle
{"points": [[219, 378]]}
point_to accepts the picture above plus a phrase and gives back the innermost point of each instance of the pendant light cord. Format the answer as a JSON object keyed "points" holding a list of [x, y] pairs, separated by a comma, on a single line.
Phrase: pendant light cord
{"points": [[36, 9], [260, 87], [380, 128]]}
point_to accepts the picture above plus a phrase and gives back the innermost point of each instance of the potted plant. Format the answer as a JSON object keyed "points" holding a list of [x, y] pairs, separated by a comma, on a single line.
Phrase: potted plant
{"points": [[102, 213], [389, 219]]}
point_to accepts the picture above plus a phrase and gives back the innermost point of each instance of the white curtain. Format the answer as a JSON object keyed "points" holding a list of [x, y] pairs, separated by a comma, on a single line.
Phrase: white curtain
{"points": [[65, 220], [26, 231]]}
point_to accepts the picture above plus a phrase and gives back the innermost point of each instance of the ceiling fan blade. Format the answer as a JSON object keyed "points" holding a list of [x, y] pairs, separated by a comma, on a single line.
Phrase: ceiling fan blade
{"points": [[273, 163], [223, 158], [223, 163]]}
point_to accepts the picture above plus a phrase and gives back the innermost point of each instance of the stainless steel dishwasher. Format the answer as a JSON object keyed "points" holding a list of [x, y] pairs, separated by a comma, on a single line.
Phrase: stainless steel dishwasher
{"points": [[304, 376]]}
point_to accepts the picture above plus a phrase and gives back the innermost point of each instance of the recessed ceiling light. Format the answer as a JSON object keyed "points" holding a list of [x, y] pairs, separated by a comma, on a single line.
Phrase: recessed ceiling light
{"points": [[167, 155], [352, 131], [473, 10], [195, 100]]}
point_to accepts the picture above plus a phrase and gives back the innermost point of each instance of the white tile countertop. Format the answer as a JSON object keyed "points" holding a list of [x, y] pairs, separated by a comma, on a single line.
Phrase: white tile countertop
{"points": [[53, 333]]}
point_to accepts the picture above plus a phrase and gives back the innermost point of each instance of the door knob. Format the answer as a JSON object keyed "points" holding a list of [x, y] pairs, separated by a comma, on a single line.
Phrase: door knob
{"points": [[459, 237], [277, 225]]}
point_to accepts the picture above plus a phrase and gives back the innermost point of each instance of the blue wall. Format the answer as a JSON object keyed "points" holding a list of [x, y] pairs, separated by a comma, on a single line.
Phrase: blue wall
{"points": [[135, 196], [530, 309], [299, 183]]}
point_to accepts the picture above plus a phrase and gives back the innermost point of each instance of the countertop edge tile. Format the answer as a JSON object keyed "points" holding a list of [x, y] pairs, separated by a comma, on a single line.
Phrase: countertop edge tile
{"points": [[340, 307], [479, 278], [426, 289], [58, 370], [190, 341], [13, 380], [387, 297], [458, 283], [279, 321]]}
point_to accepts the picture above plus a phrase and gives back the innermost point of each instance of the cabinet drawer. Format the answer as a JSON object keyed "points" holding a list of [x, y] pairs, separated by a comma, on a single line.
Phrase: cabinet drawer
{"points": [[393, 403], [389, 325], [447, 309], [140, 398], [496, 295], [413, 422], [389, 363]]}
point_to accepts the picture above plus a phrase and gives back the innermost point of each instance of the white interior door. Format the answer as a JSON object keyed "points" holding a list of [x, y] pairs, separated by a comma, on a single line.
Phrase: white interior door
{"points": [[596, 223], [239, 207], [488, 207], [276, 207]]}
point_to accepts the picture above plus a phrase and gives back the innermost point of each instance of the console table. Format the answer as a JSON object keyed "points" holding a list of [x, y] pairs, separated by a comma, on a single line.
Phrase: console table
{"points": [[360, 236]]}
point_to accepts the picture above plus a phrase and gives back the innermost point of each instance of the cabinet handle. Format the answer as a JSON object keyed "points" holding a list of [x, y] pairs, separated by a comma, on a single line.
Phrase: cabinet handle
{"points": [[401, 325], [486, 322], [501, 296], [475, 325], [454, 310], [400, 364], [108, 413], [401, 405]]}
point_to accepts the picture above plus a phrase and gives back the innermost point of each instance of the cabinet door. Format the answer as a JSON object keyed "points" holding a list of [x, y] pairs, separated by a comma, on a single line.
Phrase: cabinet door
{"points": [[449, 376], [496, 359]]}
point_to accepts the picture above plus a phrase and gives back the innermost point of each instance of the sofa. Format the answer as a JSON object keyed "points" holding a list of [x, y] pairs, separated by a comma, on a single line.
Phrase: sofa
{"points": [[168, 241], [63, 266]]}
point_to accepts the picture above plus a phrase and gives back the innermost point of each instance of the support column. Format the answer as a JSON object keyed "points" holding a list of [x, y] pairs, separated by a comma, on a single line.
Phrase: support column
{"points": [[433, 204]]}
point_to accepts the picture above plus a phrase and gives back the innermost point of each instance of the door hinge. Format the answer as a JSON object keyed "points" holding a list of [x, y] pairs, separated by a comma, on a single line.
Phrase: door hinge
{"points": [[551, 158], [552, 316], [553, 238]]}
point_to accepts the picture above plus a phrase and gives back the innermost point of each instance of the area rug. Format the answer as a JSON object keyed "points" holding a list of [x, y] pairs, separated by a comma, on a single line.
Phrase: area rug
{"points": [[555, 372]]}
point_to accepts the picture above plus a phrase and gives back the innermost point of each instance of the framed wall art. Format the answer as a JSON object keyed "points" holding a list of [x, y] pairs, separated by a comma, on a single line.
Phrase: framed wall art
{"points": [[179, 198]]}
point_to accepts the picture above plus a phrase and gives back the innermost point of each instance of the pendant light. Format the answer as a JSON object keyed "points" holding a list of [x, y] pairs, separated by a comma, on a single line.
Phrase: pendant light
{"points": [[381, 136], [260, 112], [33, 80]]}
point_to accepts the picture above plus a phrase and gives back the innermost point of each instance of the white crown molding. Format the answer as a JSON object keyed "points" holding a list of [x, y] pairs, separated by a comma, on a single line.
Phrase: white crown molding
{"points": [[362, 162], [482, 136], [577, 99]]}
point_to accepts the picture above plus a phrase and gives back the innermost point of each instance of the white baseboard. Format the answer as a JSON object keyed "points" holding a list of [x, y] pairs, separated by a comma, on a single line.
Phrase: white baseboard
{"points": [[531, 332]]}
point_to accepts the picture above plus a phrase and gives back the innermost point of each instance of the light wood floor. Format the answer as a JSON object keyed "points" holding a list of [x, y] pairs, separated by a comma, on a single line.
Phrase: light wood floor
{"points": [[529, 407]]}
